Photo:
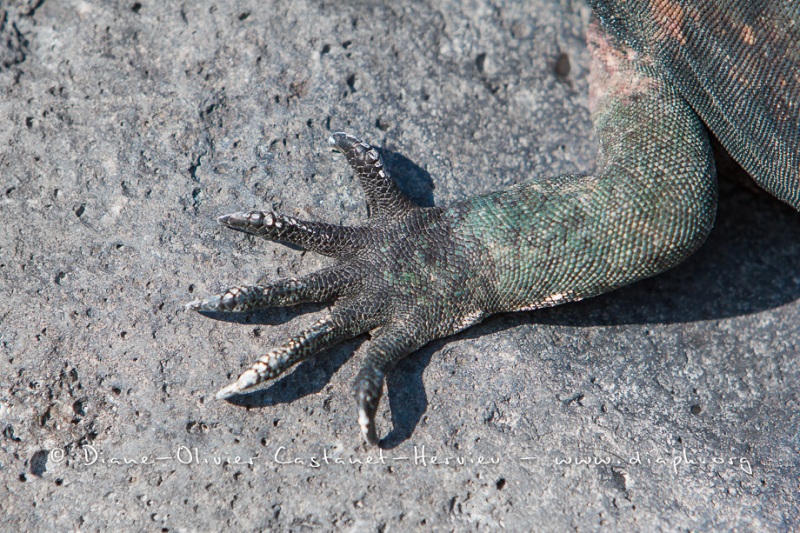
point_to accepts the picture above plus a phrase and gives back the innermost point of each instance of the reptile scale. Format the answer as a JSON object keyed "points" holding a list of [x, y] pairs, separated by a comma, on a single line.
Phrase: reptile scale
{"points": [[664, 74]]}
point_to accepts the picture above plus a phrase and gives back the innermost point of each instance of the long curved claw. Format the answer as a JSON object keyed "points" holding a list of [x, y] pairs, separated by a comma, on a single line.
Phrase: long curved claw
{"points": [[367, 289], [368, 390], [384, 199], [319, 237], [382, 355]]}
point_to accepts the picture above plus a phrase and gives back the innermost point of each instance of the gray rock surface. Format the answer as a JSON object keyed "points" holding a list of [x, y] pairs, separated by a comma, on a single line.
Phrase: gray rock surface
{"points": [[129, 126]]}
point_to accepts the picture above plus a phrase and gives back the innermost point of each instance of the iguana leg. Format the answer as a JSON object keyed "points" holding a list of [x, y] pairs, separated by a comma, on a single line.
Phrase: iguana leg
{"points": [[417, 274]]}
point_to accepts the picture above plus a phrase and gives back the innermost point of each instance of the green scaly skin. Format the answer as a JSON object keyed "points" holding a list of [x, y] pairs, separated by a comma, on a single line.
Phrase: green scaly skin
{"points": [[413, 274]]}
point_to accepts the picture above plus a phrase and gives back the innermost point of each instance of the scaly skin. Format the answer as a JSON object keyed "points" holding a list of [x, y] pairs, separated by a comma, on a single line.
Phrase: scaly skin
{"points": [[737, 63], [417, 274]]}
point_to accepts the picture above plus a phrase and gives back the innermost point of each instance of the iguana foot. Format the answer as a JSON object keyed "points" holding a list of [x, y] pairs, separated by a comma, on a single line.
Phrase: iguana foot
{"points": [[373, 282]]}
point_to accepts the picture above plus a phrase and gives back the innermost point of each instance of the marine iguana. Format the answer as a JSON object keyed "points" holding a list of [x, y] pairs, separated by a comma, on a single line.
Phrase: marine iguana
{"points": [[664, 73]]}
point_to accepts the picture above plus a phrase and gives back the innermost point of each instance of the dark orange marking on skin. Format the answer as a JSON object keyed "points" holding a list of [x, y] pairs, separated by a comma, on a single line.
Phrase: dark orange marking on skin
{"points": [[748, 35], [670, 16]]}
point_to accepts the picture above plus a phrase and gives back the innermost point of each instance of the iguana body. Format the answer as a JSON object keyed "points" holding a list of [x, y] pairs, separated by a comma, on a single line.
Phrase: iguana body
{"points": [[660, 71]]}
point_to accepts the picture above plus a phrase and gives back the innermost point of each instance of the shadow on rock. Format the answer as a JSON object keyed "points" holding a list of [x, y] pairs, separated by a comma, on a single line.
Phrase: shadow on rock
{"points": [[410, 178]]}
